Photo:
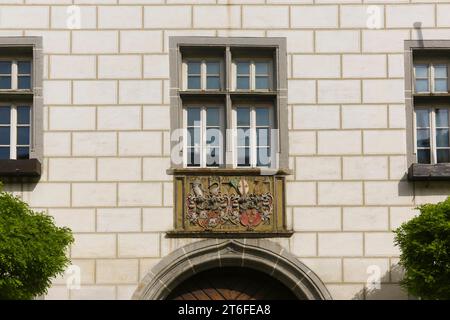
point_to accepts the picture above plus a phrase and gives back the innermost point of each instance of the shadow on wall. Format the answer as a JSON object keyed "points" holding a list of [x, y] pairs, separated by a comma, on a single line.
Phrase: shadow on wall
{"points": [[389, 288]]}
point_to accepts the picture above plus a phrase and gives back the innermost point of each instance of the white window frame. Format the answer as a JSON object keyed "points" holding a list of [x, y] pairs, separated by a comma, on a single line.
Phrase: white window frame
{"points": [[432, 126], [203, 145], [431, 76], [253, 145], [13, 129], [203, 74], [15, 73], [252, 62]]}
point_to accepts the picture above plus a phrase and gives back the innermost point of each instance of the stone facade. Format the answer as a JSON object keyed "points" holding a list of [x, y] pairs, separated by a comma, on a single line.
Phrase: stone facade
{"points": [[106, 130]]}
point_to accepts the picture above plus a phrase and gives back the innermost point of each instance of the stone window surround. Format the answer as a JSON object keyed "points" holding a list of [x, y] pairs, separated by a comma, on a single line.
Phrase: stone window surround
{"points": [[278, 44], [32, 166], [418, 171]]}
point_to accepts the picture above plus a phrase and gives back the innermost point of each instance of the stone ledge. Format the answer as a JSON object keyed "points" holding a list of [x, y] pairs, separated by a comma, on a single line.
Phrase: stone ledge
{"points": [[20, 168], [420, 171], [228, 235]]}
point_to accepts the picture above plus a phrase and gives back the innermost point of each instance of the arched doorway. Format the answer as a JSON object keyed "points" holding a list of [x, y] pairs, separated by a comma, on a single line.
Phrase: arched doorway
{"points": [[258, 255], [231, 283]]}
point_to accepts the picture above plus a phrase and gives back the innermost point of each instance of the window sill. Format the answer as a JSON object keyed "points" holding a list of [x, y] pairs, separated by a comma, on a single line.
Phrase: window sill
{"points": [[227, 171], [232, 235], [20, 168], [420, 171]]}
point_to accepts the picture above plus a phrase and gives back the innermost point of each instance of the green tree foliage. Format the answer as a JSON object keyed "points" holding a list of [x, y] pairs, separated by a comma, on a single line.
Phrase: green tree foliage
{"points": [[32, 249], [425, 252]]}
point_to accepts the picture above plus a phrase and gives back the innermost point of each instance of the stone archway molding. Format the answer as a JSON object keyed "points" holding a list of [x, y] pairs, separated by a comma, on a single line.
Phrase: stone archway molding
{"points": [[259, 254]]}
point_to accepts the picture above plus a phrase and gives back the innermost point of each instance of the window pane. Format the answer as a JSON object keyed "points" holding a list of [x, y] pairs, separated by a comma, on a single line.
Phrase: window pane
{"points": [[23, 135], [5, 68], [212, 82], [193, 117], [4, 135], [441, 117], [24, 67], [23, 115], [262, 137], [212, 117], [194, 82], [243, 156], [243, 67], [5, 115], [212, 68], [5, 82], [193, 138], [243, 137], [193, 159], [262, 117], [442, 138], [23, 153], [422, 86], [440, 71], [243, 82], [443, 156], [24, 82], [423, 138], [263, 157], [213, 157], [440, 85], [4, 152], [193, 67], [213, 136], [262, 83], [423, 118], [421, 71], [243, 116], [262, 68], [423, 156]]}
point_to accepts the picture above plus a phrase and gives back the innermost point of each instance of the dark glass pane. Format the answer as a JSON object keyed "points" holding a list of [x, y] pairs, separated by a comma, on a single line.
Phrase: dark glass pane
{"points": [[442, 138], [213, 117], [193, 138], [193, 67], [5, 82], [23, 115], [243, 156], [422, 85], [24, 82], [24, 67], [243, 137], [5, 135], [193, 117], [440, 85], [213, 136], [4, 152], [262, 83], [243, 67], [194, 82], [423, 156], [262, 117], [193, 157], [263, 157], [212, 68], [23, 153], [421, 71], [5, 115], [262, 68], [440, 71], [243, 82], [212, 82], [23, 136], [423, 138], [262, 137], [243, 116], [422, 118], [5, 68], [443, 155], [441, 117], [213, 157]]}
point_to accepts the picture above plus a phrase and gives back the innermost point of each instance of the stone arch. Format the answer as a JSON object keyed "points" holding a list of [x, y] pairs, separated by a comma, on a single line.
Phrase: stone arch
{"points": [[259, 254]]}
